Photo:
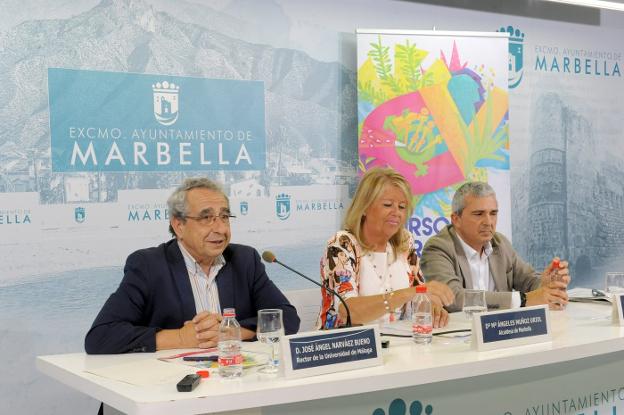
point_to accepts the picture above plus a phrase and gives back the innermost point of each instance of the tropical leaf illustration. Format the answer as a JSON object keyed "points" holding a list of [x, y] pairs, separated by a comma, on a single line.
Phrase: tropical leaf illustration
{"points": [[380, 55], [484, 141], [410, 59], [367, 92]]}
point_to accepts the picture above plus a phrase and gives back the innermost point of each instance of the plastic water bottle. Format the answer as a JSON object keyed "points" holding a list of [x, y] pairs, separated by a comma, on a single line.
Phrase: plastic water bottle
{"points": [[230, 346], [553, 275], [422, 320]]}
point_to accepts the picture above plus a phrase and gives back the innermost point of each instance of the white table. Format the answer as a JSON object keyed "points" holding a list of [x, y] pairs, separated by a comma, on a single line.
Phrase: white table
{"points": [[582, 332]]}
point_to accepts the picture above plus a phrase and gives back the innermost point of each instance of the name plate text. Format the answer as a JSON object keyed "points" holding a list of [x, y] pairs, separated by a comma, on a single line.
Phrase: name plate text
{"points": [[319, 352], [508, 328]]}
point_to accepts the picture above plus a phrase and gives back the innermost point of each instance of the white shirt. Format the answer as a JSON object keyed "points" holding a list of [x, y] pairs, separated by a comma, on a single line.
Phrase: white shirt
{"points": [[205, 290], [480, 270], [479, 267], [382, 273]]}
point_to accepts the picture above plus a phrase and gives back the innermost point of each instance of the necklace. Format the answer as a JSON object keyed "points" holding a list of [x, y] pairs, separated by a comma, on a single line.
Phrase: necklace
{"points": [[385, 280], [385, 277]]}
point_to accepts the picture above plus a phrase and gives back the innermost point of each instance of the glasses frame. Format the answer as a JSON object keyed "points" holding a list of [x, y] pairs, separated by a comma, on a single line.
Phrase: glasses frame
{"points": [[207, 221]]}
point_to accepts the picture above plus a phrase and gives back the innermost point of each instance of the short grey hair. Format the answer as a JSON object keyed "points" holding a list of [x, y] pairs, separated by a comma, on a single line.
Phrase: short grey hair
{"points": [[177, 201], [476, 189]]}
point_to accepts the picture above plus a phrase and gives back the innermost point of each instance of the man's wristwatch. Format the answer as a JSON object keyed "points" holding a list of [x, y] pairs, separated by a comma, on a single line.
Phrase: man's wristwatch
{"points": [[522, 299]]}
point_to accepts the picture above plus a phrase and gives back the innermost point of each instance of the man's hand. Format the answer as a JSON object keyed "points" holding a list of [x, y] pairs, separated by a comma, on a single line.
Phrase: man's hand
{"points": [[561, 274], [187, 335], [552, 291], [440, 293], [557, 298], [440, 315], [206, 327], [202, 331], [183, 338]]}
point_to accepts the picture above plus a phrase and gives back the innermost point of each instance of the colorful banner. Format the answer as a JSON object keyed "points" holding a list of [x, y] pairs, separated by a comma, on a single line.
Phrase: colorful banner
{"points": [[434, 106]]}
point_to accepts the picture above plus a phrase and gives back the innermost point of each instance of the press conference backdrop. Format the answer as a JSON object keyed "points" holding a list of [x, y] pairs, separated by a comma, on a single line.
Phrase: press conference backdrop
{"points": [[66, 231]]}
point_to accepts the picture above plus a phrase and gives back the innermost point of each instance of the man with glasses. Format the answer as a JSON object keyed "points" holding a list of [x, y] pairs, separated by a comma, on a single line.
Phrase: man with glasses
{"points": [[172, 295]]}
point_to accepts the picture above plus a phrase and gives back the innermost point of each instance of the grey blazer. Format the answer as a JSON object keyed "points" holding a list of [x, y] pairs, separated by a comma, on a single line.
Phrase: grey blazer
{"points": [[444, 260]]}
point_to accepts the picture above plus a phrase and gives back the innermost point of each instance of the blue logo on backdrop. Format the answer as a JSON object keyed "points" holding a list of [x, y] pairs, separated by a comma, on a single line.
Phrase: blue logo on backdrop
{"points": [[282, 206], [398, 407], [244, 208], [516, 55], [166, 102], [80, 214], [109, 121]]}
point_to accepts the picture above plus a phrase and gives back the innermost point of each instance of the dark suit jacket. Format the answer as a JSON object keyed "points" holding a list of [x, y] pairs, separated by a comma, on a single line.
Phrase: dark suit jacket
{"points": [[443, 259], [156, 294]]}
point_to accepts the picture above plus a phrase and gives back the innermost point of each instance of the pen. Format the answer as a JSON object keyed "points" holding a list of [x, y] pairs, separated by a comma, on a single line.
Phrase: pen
{"points": [[212, 358], [179, 355]]}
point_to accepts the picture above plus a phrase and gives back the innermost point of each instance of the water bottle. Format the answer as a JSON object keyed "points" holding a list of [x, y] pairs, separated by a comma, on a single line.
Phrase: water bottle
{"points": [[422, 319], [553, 275], [230, 346]]}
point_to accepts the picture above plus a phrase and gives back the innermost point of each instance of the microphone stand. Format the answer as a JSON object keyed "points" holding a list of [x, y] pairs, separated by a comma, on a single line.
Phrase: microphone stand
{"points": [[323, 287]]}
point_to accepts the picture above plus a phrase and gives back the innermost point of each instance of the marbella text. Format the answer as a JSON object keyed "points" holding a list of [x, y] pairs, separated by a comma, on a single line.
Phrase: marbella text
{"points": [[142, 147]]}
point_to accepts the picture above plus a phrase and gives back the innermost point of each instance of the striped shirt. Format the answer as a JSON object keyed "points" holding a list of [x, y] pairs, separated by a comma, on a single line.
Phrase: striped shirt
{"points": [[205, 290]]}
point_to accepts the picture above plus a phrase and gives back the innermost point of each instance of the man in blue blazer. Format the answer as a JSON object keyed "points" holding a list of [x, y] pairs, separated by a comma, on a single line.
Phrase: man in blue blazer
{"points": [[171, 296]]}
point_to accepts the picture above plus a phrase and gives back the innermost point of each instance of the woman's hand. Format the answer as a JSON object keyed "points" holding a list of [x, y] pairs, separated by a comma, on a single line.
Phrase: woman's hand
{"points": [[440, 293]]}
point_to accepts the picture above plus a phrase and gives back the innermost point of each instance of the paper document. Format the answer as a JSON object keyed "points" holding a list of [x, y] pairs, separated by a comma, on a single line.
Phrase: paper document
{"points": [[457, 321], [144, 372], [583, 295]]}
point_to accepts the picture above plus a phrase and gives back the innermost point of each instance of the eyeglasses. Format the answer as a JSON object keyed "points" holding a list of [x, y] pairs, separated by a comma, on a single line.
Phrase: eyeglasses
{"points": [[209, 219]]}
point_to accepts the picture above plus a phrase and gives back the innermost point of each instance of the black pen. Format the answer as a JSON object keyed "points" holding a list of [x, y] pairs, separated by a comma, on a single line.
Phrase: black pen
{"points": [[212, 358]]}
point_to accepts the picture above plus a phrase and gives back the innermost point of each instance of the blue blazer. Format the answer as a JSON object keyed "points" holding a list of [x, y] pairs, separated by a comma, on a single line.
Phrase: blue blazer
{"points": [[155, 293]]}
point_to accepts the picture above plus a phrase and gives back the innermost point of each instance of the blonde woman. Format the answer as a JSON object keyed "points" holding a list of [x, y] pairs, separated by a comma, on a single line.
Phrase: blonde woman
{"points": [[372, 263]]}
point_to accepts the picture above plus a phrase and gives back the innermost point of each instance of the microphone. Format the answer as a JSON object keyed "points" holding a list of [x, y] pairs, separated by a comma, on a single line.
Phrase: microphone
{"points": [[269, 256]]}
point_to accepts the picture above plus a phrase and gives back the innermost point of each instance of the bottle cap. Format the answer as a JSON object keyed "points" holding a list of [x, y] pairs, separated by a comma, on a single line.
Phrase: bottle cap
{"points": [[422, 288], [203, 373], [229, 312], [555, 264]]}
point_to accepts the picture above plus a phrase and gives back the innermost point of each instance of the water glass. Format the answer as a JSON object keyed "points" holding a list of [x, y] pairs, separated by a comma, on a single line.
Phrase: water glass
{"points": [[614, 282], [270, 330], [474, 302]]}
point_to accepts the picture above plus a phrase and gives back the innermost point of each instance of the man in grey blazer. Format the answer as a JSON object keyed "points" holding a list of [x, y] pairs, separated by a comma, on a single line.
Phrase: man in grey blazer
{"points": [[470, 254]]}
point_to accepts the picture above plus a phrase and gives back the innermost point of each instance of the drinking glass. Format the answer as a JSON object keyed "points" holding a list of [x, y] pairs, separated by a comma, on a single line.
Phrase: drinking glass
{"points": [[614, 282], [474, 302], [270, 330]]}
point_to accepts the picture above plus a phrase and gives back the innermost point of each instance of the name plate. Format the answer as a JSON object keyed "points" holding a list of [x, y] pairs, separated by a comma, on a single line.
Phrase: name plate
{"points": [[509, 328], [319, 352], [618, 309]]}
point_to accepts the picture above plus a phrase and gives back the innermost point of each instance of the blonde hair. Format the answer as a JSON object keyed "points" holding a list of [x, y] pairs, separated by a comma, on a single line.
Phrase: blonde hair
{"points": [[369, 190]]}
